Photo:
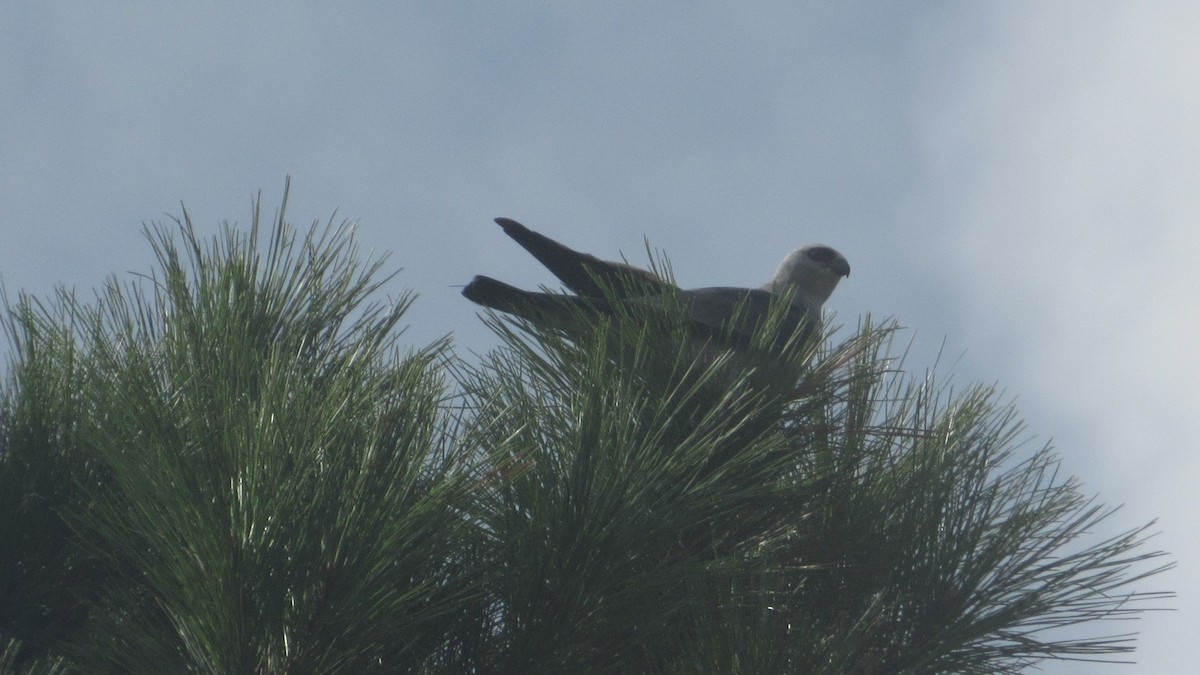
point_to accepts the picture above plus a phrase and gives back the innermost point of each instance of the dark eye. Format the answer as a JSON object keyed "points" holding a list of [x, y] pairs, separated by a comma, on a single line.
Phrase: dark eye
{"points": [[821, 254]]}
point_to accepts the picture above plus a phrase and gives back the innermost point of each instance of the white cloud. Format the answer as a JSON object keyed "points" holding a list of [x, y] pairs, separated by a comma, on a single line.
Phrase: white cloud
{"points": [[1064, 148]]}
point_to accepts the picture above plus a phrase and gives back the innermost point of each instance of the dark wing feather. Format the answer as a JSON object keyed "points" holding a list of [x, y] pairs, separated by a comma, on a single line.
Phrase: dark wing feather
{"points": [[585, 274], [711, 311]]}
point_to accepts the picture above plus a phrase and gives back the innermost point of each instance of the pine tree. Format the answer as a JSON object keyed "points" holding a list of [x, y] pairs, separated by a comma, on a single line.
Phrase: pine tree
{"points": [[232, 465]]}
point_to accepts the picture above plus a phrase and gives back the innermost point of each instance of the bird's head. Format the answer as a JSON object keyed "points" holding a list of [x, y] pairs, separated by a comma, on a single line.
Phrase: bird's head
{"points": [[813, 270]]}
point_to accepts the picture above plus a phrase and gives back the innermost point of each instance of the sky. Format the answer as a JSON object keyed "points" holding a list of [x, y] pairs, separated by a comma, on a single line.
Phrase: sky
{"points": [[1017, 183]]}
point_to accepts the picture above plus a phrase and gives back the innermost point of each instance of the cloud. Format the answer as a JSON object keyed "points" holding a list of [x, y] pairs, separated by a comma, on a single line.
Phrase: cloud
{"points": [[1062, 143]]}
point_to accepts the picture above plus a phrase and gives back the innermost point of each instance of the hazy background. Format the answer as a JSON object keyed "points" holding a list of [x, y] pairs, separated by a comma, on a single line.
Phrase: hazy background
{"points": [[1020, 181]]}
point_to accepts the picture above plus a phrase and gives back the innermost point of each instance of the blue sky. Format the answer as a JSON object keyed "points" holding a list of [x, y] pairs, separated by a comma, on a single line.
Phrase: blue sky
{"points": [[1018, 180]]}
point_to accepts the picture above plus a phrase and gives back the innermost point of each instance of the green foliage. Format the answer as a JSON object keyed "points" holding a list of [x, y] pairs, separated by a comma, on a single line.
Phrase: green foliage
{"points": [[231, 466], [277, 488], [873, 525], [641, 481], [48, 580]]}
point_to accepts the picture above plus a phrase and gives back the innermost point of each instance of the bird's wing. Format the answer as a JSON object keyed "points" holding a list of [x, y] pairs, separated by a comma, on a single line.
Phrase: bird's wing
{"points": [[730, 316], [585, 274], [742, 311], [551, 310]]}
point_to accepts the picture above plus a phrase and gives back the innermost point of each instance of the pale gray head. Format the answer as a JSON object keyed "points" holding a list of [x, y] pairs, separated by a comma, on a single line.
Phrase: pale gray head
{"points": [[813, 270]]}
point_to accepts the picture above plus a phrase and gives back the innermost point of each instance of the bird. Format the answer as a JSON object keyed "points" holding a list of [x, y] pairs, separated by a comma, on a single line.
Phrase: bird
{"points": [[726, 316]]}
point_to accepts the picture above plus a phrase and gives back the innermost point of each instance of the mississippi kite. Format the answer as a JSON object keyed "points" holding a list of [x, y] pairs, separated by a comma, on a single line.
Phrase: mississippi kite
{"points": [[806, 278]]}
